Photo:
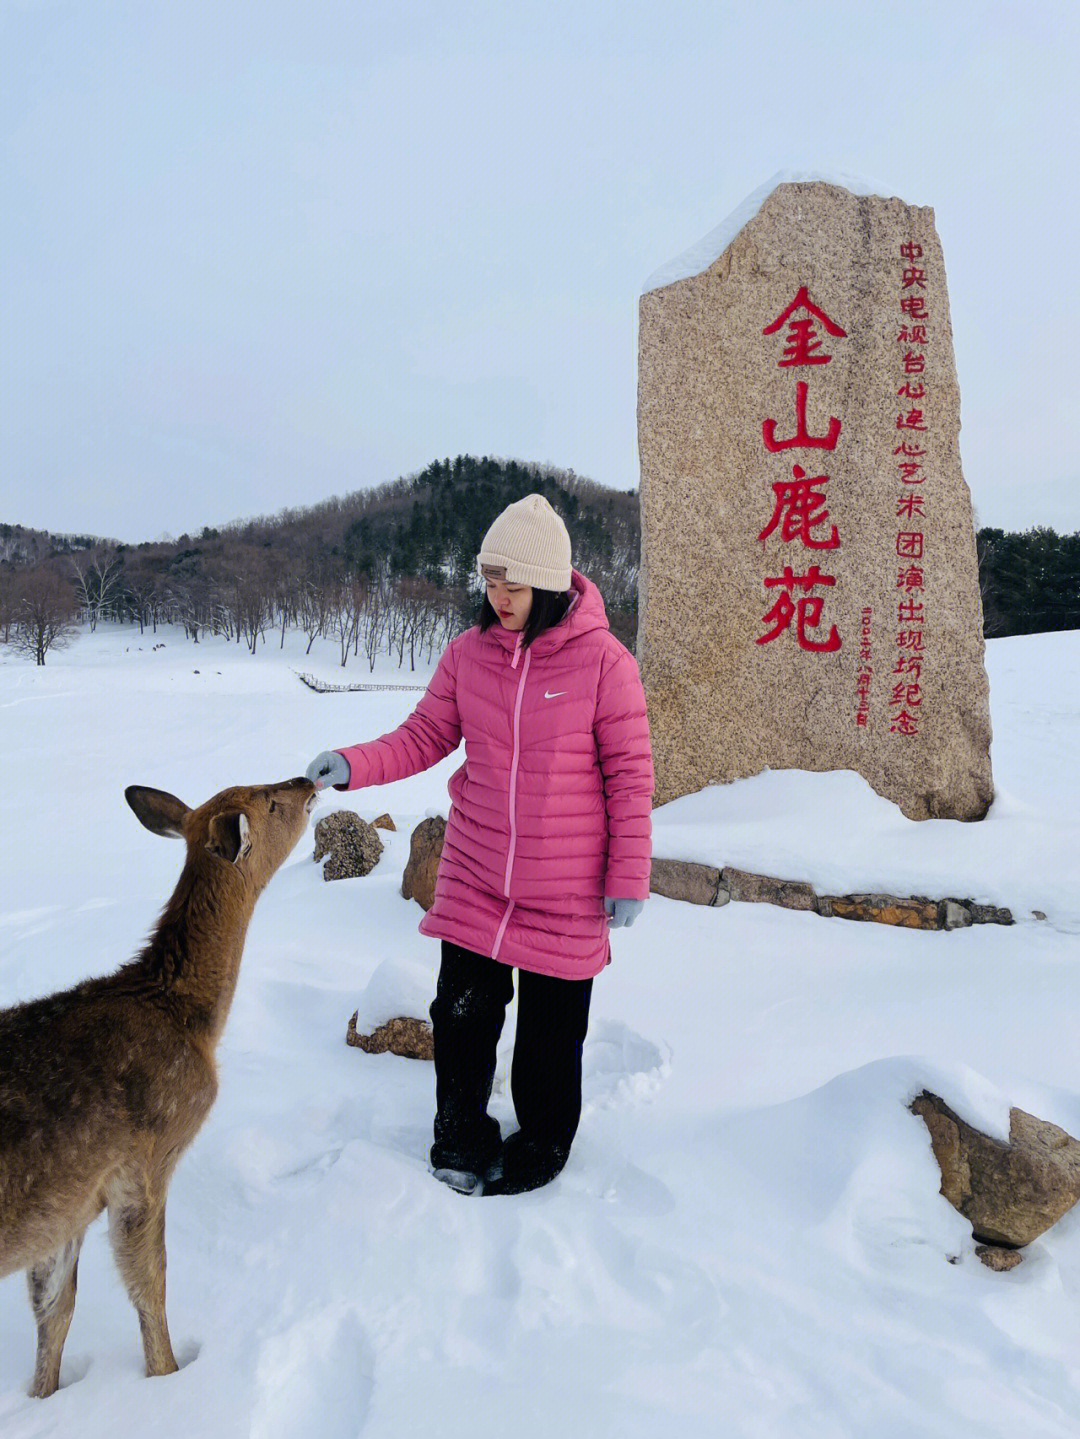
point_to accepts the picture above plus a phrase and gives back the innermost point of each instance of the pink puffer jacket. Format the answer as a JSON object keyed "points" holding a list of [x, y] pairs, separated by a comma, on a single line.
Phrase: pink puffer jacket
{"points": [[551, 810]]}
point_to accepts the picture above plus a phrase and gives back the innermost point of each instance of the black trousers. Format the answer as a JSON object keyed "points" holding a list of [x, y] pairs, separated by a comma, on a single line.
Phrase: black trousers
{"points": [[545, 1078]]}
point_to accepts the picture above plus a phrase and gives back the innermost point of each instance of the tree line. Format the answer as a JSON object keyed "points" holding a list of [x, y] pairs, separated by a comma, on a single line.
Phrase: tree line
{"points": [[1030, 582], [389, 570], [392, 570]]}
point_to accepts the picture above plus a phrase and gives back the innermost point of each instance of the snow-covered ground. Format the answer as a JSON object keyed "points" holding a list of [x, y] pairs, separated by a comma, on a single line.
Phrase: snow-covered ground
{"points": [[748, 1240]]}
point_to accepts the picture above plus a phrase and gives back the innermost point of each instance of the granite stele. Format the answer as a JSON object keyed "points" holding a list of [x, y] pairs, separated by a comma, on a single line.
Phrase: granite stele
{"points": [[809, 585]]}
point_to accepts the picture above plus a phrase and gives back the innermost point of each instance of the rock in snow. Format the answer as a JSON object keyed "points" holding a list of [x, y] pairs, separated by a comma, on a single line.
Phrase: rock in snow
{"points": [[1011, 1192]]}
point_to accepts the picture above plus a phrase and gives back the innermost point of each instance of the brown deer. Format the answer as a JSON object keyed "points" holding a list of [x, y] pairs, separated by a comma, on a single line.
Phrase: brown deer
{"points": [[103, 1086]]}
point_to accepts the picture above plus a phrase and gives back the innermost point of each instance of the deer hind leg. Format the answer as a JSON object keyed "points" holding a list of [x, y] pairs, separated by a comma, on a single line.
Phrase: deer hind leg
{"points": [[52, 1284], [137, 1232]]}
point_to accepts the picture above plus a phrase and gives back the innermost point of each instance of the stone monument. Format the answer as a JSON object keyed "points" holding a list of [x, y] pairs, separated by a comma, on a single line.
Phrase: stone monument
{"points": [[809, 583]]}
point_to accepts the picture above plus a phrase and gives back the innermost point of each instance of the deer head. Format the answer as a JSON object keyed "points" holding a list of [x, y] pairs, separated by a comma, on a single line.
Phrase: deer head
{"points": [[253, 828]]}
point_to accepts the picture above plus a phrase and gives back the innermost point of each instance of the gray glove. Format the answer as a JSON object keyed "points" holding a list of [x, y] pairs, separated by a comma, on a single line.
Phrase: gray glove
{"points": [[621, 913], [328, 768]]}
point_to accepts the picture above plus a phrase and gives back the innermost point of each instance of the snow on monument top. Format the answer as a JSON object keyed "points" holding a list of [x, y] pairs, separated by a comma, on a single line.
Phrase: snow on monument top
{"points": [[700, 256]]}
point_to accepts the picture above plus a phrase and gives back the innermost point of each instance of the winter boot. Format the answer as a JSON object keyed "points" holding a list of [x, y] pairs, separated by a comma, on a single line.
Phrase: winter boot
{"points": [[461, 1181], [524, 1165]]}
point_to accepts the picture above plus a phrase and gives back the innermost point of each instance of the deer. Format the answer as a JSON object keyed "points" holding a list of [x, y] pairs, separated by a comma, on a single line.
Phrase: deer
{"points": [[103, 1086]]}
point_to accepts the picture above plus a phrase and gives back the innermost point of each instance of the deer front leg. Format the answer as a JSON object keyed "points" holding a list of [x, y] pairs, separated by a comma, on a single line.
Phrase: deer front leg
{"points": [[137, 1232], [52, 1284]]}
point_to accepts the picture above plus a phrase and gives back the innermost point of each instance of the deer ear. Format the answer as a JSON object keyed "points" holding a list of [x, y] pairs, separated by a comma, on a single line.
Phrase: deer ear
{"points": [[160, 812], [230, 836]]}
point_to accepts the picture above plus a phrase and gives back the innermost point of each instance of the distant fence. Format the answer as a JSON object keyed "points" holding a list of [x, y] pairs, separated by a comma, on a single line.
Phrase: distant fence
{"points": [[322, 688]]}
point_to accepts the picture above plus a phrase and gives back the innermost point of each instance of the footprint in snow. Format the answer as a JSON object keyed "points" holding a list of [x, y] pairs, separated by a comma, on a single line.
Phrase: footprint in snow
{"points": [[73, 1368], [619, 1067], [321, 1365]]}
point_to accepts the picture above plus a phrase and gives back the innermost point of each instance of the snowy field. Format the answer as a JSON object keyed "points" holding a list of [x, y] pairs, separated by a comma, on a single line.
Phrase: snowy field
{"points": [[748, 1239]]}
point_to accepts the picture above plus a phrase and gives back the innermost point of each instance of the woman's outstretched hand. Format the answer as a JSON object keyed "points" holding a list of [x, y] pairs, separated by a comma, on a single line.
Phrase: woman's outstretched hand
{"points": [[328, 768]]}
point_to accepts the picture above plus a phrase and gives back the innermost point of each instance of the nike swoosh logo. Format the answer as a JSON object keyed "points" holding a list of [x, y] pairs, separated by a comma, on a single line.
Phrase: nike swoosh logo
{"points": [[549, 696]]}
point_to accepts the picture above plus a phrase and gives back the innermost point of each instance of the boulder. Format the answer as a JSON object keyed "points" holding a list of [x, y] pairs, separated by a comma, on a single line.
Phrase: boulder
{"points": [[999, 1259], [353, 845], [682, 879], [411, 1038], [956, 915], [883, 909], [1011, 1193], [425, 847], [384, 822], [763, 889], [988, 913], [809, 584]]}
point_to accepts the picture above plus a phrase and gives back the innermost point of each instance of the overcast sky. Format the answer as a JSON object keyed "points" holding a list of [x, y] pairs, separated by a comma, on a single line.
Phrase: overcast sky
{"points": [[257, 254]]}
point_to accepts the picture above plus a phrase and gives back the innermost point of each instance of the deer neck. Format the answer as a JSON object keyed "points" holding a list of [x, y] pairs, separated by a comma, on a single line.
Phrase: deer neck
{"points": [[196, 951]]}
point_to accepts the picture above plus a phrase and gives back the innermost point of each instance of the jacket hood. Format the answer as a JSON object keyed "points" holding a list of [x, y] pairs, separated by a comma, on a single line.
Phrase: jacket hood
{"points": [[586, 613]]}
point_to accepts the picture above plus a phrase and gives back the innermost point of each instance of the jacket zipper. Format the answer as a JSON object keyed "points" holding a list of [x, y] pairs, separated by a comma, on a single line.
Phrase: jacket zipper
{"points": [[515, 758]]}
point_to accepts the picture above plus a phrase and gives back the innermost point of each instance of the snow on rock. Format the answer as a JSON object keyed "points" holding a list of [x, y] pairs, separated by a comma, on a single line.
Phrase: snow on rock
{"points": [[397, 987], [709, 249]]}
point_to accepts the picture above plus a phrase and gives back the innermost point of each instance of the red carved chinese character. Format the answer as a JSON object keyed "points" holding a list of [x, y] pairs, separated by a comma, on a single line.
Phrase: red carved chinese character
{"points": [[904, 448], [910, 250], [909, 640], [908, 391], [909, 544], [908, 665], [908, 471], [916, 335], [860, 717], [910, 612], [909, 579], [914, 364], [904, 724], [802, 338], [796, 511], [909, 507], [915, 306], [808, 610], [802, 439], [906, 694], [911, 421], [914, 276]]}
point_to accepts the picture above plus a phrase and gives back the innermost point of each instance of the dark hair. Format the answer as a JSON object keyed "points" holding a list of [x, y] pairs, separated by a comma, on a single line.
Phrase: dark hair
{"points": [[548, 608]]}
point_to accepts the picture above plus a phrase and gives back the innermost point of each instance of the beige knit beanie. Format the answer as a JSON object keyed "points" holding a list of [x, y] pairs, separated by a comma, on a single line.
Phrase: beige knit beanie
{"points": [[527, 545]]}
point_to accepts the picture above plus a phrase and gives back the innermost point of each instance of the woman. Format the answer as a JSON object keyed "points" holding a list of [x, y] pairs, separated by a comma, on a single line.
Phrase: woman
{"points": [[547, 845]]}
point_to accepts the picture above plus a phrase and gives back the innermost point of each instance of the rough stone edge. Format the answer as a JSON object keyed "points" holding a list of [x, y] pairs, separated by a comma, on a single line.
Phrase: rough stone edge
{"points": [[998, 1258], [375, 1042], [728, 883]]}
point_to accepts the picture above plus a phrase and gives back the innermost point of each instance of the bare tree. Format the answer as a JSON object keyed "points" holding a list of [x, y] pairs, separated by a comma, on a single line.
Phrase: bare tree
{"points": [[376, 619], [45, 614], [99, 578], [352, 601], [8, 603], [287, 593], [143, 595], [416, 616], [252, 599], [316, 610]]}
